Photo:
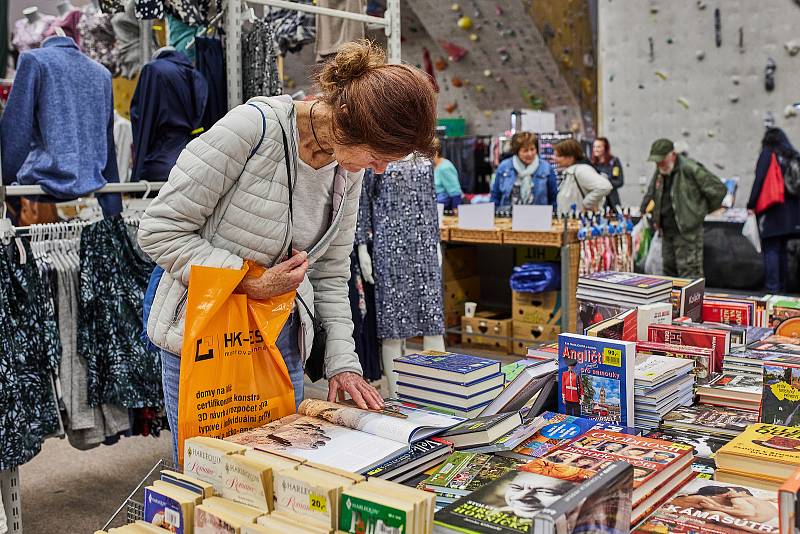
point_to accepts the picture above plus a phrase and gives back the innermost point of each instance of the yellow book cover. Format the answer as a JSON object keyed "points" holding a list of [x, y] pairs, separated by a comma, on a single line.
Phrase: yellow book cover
{"points": [[764, 450]]}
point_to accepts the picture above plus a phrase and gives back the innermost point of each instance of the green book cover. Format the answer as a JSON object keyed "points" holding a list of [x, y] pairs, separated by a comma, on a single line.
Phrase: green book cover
{"points": [[361, 515]]}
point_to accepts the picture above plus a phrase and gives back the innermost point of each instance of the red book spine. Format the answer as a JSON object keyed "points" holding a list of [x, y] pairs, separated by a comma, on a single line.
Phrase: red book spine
{"points": [[676, 335], [717, 312]]}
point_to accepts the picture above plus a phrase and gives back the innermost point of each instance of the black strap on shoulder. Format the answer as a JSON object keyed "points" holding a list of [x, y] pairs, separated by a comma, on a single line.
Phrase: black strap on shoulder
{"points": [[263, 129]]}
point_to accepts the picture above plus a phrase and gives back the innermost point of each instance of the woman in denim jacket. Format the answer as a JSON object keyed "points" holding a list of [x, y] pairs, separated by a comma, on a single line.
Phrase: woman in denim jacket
{"points": [[524, 178]]}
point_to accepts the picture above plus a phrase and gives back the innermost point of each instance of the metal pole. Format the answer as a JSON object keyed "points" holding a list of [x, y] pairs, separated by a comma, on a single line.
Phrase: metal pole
{"points": [[233, 52], [566, 273], [146, 40], [360, 17], [136, 187], [392, 17]]}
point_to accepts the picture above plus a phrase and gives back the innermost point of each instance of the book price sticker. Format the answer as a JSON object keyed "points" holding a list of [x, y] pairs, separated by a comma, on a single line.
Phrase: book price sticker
{"points": [[318, 503], [612, 357], [172, 517]]}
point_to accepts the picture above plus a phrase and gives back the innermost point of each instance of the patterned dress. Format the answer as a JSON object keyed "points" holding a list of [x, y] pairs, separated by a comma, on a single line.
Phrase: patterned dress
{"points": [[29, 358], [260, 61], [398, 215], [122, 369]]}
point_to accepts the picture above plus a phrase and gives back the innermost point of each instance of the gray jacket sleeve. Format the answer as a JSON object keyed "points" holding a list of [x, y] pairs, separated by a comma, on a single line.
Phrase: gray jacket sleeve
{"points": [[205, 171], [329, 276], [594, 186]]}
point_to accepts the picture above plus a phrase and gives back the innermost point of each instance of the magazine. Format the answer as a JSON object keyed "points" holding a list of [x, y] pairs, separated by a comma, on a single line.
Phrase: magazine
{"points": [[346, 437]]}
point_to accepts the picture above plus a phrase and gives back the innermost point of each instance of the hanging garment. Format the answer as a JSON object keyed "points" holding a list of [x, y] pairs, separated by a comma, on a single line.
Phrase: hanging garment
{"points": [[461, 151], [191, 12], [398, 208], [166, 111], [29, 359], [69, 24], [211, 64], [333, 32], [365, 333], [123, 141], [293, 29], [97, 38], [126, 31], [29, 35], [112, 7], [57, 130], [114, 276], [4, 38], [260, 62], [180, 35]]}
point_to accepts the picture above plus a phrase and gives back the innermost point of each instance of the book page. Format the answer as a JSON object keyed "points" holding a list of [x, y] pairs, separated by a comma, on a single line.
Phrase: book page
{"points": [[321, 441], [417, 424]]}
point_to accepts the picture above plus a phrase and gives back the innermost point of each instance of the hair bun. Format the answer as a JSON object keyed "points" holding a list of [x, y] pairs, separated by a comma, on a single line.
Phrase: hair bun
{"points": [[352, 61]]}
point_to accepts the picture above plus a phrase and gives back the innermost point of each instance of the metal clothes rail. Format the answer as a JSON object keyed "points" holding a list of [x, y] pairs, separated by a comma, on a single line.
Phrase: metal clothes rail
{"points": [[132, 187], [233, 31]]}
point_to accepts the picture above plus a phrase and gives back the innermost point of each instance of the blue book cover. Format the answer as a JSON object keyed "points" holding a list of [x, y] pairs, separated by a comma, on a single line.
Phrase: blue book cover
{"points": [[446, 362], [163, 512], [596, 378]]}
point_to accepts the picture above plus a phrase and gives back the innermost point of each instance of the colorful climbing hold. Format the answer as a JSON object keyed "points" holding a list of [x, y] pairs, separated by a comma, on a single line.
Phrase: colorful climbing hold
{"points": [[465, 23], [454, 52]]}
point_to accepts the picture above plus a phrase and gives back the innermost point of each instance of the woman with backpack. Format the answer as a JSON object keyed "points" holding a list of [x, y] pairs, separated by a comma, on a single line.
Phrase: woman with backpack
{"points": [[581, 185], [780, 222]]}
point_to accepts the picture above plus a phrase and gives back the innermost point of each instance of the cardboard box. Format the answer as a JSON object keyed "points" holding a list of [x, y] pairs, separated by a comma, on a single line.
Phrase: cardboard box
{"points": [[459, 263], [489, 323], [526, 334], [457, 292], [539, 308]]}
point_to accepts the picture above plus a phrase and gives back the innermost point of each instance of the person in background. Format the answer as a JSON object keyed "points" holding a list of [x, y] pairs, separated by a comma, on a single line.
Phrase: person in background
{"points": [[681, 193], [445, 178], [524, 178], [581, 186], [778, 223], [609, 166]]}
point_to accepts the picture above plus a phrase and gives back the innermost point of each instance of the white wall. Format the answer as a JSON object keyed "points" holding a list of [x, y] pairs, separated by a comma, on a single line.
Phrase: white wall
{"points": [[723, 135]]}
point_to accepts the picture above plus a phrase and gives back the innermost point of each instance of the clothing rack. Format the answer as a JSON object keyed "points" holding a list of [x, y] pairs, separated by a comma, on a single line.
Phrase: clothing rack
{"points": [[235, 16], [131, 187]]}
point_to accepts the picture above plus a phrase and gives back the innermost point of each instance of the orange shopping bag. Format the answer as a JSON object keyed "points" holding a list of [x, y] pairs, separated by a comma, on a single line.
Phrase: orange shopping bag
{"points": [[233, 376]]}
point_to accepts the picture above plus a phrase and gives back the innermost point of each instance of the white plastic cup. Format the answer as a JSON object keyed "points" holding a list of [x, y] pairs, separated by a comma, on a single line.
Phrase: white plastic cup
{"points": [[469, 308]]}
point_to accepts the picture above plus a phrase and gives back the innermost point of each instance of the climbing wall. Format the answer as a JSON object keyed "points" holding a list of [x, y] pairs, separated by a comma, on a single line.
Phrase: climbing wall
{"points": [[505, 65], [566, 27], [694, 71]]}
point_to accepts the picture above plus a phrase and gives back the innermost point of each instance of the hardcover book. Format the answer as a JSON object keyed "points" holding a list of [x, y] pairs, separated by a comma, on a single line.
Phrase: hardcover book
{"points": [[591, 311], [523, 389], [780, 401], [522, 502], [448, 366], [710, 419], [765, 450], [653, 370], [462, 473], [596, 378], [647, 314], [743, 388], [482, 430], [789, 505], [419, 454], [557, 429], [728, 312], [778, 345], [705, 447], [629, 282], [709, 507], [717, 340], [622, 327]]}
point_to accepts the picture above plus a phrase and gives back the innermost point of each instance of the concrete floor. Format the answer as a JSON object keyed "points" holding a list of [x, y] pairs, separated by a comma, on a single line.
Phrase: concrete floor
{"points": [[67, 491]]}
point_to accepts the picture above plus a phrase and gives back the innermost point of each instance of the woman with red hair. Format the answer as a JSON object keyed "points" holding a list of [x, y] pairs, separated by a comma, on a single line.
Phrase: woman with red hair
{"points": [[609, 166]]}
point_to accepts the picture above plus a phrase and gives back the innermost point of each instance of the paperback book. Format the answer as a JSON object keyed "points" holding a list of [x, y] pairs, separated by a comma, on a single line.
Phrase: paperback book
{"points": [[703, 357], [778, 345], [780, 401], [462, 472], [447, 366], [713, 420], [730, 388], [789, 504], [717, 340], [764, 450], [482, 430], [523, 502], [622, 327], [346, 437], [709, 507], [420, 455], [555, 430], [596, 378]]}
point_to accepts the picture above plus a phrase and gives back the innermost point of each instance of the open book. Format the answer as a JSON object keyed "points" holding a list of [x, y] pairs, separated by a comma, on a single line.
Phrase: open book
{"points": [[344, 436]]}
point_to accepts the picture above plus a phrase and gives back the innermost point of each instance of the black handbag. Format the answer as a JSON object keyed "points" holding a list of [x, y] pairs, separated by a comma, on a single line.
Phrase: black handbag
{"points": [[315, 364]]}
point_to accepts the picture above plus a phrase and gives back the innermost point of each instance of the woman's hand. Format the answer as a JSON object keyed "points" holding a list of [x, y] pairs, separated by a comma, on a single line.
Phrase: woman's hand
{"points": [[364, 395], [284, 277]]}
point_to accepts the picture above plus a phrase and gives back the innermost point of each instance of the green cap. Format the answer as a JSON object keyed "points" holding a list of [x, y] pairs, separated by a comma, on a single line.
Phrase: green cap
{"points": [[659, 150]]}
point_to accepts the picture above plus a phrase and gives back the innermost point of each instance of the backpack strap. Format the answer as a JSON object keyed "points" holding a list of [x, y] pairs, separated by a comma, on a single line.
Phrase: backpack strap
{"points": [[263, 129]]}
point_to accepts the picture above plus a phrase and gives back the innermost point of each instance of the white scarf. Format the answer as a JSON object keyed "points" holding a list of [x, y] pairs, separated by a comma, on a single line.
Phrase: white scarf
{"points": [[524, 173]]}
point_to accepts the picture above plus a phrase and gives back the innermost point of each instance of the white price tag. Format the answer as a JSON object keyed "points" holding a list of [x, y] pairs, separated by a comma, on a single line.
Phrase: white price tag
{"points": [[527, 218], [476, 216]]}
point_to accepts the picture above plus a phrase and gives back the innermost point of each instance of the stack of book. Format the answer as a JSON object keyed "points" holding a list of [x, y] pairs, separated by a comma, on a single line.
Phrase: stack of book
{"points": [[743, 361], [763, 456], [686, 296], [605, 294], [703, 358], [706, 428], [718, 340], [736, 309], [457, 384], [544, 351], [661, 384], [660, 467], [732, 390]]}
